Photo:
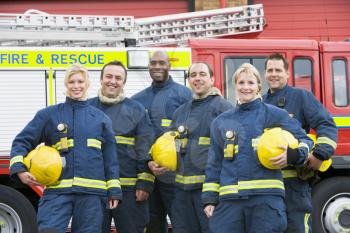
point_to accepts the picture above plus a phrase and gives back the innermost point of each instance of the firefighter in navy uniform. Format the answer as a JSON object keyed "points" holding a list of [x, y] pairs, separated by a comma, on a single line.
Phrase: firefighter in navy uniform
{"points": [[134, 136], [161, 100], [303, 106], [83, 135], [192, 121], [239, 194]]}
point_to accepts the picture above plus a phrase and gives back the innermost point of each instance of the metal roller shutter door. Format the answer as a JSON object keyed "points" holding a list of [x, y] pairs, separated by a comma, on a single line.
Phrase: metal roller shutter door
{"points": [[22, 94]]}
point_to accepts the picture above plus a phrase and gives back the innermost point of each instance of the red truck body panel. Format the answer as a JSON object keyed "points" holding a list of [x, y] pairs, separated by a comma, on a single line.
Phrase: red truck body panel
{"points": [[321, 55]]}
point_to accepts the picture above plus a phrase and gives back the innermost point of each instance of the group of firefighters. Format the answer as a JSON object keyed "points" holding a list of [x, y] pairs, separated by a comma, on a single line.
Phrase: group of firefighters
{"points": [[219, 184]]}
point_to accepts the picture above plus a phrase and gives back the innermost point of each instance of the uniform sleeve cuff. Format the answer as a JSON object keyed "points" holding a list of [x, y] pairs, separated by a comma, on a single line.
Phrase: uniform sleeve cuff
{"points": [[210, 201], [321, 153], [292, 156], [17, 169], [144, 187], [115, 196]]}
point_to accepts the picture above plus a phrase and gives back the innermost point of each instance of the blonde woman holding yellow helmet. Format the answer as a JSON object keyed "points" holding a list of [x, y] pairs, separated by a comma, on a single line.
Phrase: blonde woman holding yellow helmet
{"points": [[239, 193], [84, 138]]}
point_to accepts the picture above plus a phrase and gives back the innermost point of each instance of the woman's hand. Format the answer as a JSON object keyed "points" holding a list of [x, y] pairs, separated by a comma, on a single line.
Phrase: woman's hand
{"points": [[280, 160], [27, 178], [156, 169]]}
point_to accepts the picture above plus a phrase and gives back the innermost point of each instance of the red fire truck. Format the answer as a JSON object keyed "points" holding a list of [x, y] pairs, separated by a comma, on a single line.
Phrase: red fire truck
{"points": [[32, 78], [323, 69]]}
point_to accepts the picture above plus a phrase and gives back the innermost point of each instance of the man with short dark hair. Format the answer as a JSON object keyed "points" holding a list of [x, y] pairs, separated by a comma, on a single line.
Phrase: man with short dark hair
{"points": [[134, 136], [161, 100], [303, 106], [192, 121]]}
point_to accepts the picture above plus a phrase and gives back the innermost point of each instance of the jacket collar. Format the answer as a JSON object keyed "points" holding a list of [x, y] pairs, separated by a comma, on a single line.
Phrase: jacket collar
{"points": [[163, 85], [250, 105], [109, 101], [212, 91], [279, 92], [76, 103]]}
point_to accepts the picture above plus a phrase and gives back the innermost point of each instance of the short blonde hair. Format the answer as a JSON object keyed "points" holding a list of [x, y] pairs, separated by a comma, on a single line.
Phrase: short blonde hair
{"points": [[76, 69], [249, 70]]}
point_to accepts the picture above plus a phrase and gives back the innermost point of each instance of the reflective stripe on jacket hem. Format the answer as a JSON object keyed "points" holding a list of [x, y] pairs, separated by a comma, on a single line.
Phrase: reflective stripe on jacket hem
{"points": [[289, 173], [243, 185], [87, 183], [189, 179]]}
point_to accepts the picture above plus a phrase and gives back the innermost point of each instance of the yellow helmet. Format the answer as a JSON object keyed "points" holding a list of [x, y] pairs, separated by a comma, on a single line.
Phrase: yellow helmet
{"points": [[45, 164], [326, 163], [163, 150], [270, 142]]}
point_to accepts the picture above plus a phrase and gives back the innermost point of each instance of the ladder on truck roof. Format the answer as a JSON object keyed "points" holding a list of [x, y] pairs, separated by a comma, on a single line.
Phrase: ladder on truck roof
{"points": [[172, 29], [36, 28]]}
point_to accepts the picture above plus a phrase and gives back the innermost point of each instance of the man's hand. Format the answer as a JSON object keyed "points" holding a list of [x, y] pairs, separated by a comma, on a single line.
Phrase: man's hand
{"points": [[141, 195], [313, 162], [156, 169], [113, 203], [280, 160], [27, 178], [208, 210]]}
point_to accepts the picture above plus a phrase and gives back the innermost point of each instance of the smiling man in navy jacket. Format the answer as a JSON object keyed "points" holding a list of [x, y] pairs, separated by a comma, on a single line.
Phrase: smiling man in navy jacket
{"points": [[161, 100], [304, 107], [134, 136]]}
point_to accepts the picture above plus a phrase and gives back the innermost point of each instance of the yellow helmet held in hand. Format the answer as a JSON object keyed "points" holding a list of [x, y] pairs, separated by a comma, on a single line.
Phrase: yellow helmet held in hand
{"points": [[270, 144], [45, 164], [164, 151]]}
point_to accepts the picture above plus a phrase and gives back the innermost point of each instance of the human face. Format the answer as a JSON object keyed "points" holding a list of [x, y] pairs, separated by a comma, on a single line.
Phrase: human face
{"points": [[247, 87], [159, 67], [199, 79], [275, 75], [77, 86], [113, 81]]}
